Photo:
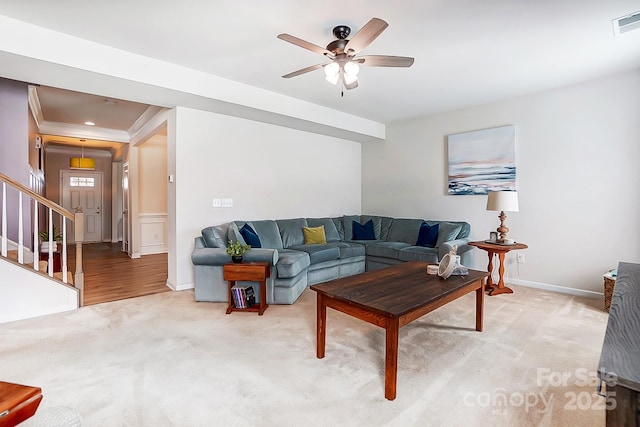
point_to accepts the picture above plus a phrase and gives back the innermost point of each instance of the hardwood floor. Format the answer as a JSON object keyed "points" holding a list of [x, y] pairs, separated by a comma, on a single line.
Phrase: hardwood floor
{"points": [[110, 275]]}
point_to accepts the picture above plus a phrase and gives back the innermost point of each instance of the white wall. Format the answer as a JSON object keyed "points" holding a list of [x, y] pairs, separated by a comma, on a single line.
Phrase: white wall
{"points": [[270, 172], [577, 154], [32, 295]]}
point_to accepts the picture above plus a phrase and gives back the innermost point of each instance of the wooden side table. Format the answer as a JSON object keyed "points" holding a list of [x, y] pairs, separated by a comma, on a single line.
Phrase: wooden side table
{"points": [[248, 272], [501, 250]]}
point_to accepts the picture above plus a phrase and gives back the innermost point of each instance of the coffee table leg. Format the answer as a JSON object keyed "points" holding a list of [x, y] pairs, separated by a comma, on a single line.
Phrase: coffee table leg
{"points": [[479, 306], [321, 328], [391, 358]]}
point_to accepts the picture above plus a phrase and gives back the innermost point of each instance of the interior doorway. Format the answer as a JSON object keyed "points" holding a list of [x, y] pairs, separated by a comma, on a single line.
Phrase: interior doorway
{"points": [[126, 235], [83, 189]]}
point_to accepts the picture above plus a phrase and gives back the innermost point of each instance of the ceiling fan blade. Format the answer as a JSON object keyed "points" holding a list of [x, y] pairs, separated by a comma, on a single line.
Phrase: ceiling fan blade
{"points": [[303, 70], [366, 35], [384, 61], [305, 44]]}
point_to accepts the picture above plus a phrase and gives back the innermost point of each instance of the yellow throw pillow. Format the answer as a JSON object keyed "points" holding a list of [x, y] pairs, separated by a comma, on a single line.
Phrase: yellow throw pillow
{"points": [[314, 235]]}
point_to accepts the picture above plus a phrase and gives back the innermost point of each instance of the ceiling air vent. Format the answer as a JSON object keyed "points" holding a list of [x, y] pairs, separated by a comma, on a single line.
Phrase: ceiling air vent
{"points": [[626, 23]]}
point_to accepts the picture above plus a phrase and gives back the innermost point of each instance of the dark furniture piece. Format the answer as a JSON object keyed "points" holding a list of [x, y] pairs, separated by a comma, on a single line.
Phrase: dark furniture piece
{"points": [[57, 264], [248, 272], [501, 250], [391, 298], [619, 364], [17, 403]]}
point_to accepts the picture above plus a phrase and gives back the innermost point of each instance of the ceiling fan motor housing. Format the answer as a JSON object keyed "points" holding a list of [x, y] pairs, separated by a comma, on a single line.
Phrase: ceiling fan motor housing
{"points": [[341, 32]]}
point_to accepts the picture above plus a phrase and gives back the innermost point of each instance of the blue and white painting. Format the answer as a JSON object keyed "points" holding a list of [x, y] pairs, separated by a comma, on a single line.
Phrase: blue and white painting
{"points": [[482, 161]]}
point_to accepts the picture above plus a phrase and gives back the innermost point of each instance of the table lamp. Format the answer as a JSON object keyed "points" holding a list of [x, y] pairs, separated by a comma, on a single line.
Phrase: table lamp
{"points": [[502, 201]]}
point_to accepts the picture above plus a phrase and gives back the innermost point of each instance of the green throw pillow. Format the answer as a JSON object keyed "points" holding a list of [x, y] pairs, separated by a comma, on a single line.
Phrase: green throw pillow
{"points": [[314, 235]]}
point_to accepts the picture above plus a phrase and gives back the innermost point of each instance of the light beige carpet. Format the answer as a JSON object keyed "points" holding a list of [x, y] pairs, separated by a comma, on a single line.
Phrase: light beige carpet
{"points": [[165, 360]]}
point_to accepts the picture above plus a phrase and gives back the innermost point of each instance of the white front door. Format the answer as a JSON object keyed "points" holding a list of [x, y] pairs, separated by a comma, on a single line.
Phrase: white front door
{"points": [[84, 189]]}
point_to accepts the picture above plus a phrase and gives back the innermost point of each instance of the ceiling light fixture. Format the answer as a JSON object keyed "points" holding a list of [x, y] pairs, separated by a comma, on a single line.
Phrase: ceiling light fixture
{"points": [[332, 73], [351, 70], [82, 163], [88, 123]]}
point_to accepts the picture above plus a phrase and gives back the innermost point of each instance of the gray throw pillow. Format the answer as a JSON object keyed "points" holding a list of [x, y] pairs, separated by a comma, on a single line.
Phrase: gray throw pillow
{"points": [[234, 235], [215, 237], [447, 232]]}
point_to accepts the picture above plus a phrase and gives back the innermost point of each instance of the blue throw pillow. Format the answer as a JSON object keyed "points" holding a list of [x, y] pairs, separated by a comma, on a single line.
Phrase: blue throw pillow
{"points": [[428, 235], [363, 232], [250, 236]]}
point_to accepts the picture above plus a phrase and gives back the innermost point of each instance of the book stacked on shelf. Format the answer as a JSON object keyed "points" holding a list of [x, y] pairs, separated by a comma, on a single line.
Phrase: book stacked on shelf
{"points": [[243, 296]]}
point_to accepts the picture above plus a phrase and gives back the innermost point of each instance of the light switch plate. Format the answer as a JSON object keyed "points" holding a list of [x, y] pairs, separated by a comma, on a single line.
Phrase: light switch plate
{"points": [[227, 203], [217, 203]]}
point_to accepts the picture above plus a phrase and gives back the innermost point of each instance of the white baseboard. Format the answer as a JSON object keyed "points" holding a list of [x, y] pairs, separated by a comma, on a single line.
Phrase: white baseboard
{"points": [[36, 313], [183, 287], [154, 249], [556, 288]]}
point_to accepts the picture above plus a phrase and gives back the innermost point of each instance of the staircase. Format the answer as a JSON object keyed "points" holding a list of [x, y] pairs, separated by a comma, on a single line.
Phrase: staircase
{"points": [[30, 286]]}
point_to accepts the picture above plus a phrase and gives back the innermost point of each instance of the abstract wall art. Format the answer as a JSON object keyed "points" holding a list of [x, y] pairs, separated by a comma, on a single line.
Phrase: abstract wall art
{"points": [[482, 161]]}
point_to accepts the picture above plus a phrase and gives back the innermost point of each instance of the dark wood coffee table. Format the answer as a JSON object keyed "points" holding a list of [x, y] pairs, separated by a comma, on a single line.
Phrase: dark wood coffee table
{"points": [[391, 298]]}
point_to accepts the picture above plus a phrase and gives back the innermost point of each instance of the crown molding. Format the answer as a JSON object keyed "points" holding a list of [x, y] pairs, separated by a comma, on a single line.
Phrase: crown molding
{"points": [[82, 131], [88, 152], [34, 106], [144, 118]]}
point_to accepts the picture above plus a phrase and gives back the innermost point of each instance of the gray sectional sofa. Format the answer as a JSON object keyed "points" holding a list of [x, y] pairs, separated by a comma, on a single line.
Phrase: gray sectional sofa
{"points": [[296, 265]]}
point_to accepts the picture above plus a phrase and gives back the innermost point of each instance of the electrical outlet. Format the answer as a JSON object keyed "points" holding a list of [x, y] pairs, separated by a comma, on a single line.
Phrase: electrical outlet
{"points": [[520, 258]]}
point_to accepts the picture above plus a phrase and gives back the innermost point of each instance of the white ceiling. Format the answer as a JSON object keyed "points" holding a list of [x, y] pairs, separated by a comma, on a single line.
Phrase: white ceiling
{"points": [[467, 52]]}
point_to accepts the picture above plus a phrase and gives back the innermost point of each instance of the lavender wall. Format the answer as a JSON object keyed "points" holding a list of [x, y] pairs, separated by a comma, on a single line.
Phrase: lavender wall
{"points": [[14, 150]]}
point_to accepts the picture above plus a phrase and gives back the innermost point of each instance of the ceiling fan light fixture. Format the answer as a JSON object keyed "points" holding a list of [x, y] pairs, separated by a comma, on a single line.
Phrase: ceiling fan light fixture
{"points": [[332, 73], [351, 69]]}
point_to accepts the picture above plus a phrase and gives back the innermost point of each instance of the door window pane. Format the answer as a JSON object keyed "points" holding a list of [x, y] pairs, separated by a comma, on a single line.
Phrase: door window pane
{"points": [[81, 181]]}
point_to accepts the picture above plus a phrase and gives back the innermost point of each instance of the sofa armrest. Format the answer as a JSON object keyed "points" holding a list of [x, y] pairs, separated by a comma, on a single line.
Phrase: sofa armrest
{"points": [[219, 256], [461, 244]]}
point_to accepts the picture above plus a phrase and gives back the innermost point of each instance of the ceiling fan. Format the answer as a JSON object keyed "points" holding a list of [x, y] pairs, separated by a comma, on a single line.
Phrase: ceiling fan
{"points": [[344, 65]]}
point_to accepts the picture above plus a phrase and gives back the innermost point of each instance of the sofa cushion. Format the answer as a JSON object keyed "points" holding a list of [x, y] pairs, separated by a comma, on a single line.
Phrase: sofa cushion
{"points": [[319, 253], [269, 233], [291, 231], [419, 253], [314, 235], [428, 235], [330, 230], [249, 235], [404, 230], [447, 231], [348, 249], [291, 263], [386, 249], [215, 237], [338, 223], [363, 231]]}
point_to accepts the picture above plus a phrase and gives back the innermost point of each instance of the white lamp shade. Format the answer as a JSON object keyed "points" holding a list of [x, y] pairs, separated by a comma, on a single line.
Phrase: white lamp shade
{"points": [[506, 201]]}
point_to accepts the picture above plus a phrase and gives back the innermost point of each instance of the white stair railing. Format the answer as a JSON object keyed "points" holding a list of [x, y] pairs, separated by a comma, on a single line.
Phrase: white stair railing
{"points": [[52, 208]]}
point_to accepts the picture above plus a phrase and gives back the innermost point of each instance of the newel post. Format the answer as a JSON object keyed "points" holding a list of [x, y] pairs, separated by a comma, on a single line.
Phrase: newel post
{"points": [[79, 238]]}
